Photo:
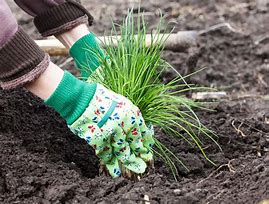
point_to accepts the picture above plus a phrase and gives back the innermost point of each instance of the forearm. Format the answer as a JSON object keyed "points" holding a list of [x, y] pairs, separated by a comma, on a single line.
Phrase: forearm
{"points": [[21, 60], [69, 38], [47, 82]]}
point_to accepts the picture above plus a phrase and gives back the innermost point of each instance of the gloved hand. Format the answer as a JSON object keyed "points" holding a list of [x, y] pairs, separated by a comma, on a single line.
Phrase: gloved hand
{"points": [[115, 128], [126, 121]]}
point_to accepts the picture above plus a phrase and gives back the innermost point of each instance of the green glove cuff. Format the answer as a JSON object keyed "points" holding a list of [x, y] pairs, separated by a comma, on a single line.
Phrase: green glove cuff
{"points": [[86, 53], [71, 97]]}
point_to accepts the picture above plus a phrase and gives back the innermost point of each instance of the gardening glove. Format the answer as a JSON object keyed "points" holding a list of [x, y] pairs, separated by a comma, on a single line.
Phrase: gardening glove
{"points": [[54, 17], [110, 123], [115, 128], [87, 54]]}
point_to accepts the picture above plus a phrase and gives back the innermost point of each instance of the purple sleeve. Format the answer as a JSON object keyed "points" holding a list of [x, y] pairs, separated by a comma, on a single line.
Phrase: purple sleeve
{"points": [[36, 7], [8, 23]]}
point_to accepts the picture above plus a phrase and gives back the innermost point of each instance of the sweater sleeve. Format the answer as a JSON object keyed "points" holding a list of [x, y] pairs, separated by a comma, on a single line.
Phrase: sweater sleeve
{"points": [[53, 17], [21, 60]]}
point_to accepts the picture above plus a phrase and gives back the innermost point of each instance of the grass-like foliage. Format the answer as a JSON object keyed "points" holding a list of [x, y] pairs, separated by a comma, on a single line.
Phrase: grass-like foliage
{"points": [[134, 70]]}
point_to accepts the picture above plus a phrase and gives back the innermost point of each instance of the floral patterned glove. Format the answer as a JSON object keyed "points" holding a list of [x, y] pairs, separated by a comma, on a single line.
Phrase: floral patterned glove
{"points": [[115, 128]]}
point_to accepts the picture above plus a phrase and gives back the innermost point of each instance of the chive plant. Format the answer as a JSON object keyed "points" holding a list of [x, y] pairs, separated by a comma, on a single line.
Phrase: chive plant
{"points": [[135, 69]]}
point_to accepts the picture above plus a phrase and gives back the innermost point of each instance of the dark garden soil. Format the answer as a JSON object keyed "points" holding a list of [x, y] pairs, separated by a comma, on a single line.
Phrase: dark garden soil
{"points": [[41, 161]]}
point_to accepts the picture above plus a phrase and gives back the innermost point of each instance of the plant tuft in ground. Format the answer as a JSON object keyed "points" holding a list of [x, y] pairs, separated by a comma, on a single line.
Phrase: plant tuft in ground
{"points": [[135, 69]]}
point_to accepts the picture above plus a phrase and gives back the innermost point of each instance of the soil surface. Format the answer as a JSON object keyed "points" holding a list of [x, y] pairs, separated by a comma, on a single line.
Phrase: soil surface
{"points": [[41, 161]]}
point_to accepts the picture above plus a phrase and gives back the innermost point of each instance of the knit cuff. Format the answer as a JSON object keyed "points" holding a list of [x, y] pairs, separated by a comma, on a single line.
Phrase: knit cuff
{"points": [[21, 61], [87, 54], [71, 97], [62, 18]]}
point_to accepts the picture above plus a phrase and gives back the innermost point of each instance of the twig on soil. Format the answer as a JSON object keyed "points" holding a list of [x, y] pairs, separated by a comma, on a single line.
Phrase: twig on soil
{"points": [[266, 201], [178, 42], [258, 148], [146, 199], [209, 95], [246, 96], [239, 6], [238, 131], [261, 80], [215, 195], [253, 128], [218, 26], [261, 39], [266, 119], [259, 154], [230, 167]]}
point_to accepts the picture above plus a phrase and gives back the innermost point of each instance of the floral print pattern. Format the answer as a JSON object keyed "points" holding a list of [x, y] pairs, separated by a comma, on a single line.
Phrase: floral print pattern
{"points": [[115, 128]]}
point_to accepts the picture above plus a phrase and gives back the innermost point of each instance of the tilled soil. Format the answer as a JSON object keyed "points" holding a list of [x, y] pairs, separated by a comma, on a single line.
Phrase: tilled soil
{"points": [[41, 161]]}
